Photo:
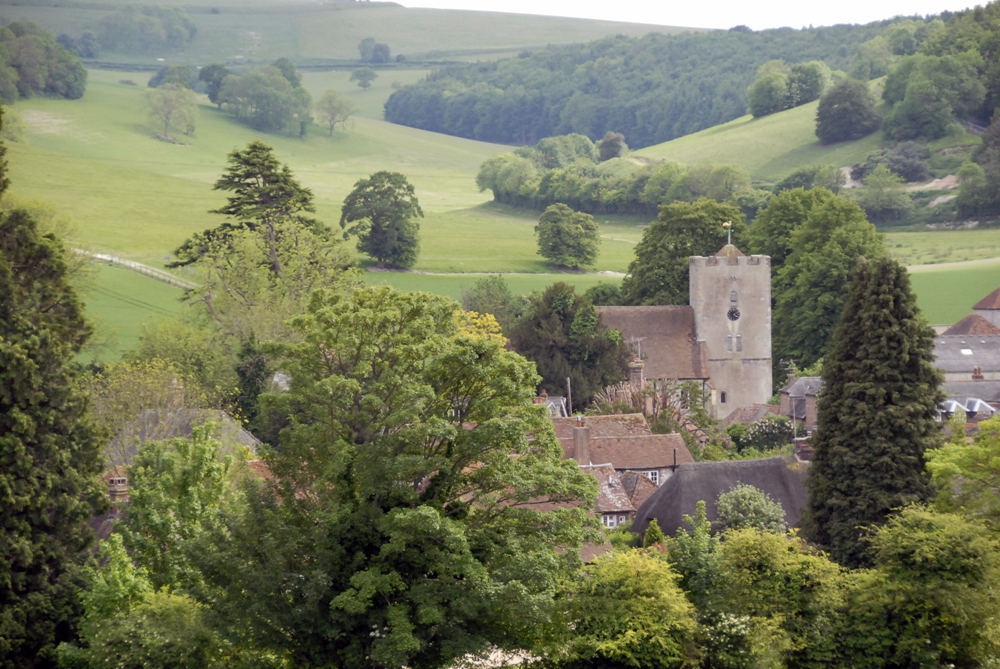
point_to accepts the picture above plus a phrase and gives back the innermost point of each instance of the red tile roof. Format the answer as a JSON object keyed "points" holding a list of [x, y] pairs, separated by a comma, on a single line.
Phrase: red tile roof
{"points": [[991, 301], [611, 494], [750, 414], [650, 452], [669, 346], [973, 324], [638, 486], [615, 425]]}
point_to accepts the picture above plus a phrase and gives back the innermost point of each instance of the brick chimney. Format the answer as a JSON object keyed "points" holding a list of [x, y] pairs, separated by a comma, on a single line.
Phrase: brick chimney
{"points": [[977, 373], [635, 375], [581, 441]]}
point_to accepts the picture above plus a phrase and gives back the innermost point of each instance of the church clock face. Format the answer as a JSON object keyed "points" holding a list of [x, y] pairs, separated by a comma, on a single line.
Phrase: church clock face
{"points": [[734, 314]]}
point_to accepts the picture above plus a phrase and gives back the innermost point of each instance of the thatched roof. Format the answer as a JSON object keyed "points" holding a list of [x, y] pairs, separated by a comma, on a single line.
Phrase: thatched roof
{"points": [[666, 336], [783, 478]]}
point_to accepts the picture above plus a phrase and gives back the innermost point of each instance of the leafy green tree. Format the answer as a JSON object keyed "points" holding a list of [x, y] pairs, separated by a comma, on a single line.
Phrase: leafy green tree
{"points": [[653, 536], [927, 92], [381, 53], [980, 180], [877, 413], [747, 507], [265, 100], [965, 475], [264, 194], [769, 92], [771, 232], [332, 109], [172, 107], [846, 112], [564, 336], [810, 287], [829, 177], [792, 595], [181, 75], [364, 76], [366, 48], [49, 448], [884, 198], [873, 59], [627, 611], [808, 81], [612, 145], [660, 272], [604, 294], [492, 295], [934, 602], [213, 76], [288, 71], [694, 554], [566, 237], [381, 213], [398, 495]]}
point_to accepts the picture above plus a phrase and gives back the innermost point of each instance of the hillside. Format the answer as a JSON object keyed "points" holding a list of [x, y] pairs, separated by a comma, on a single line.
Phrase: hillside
{"points": [[769, 148], [249, 31]]}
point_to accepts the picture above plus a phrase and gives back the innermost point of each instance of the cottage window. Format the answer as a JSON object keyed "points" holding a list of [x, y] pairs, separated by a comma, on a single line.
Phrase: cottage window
{"points": [[622, 519], [609, 521], [654, 476]]}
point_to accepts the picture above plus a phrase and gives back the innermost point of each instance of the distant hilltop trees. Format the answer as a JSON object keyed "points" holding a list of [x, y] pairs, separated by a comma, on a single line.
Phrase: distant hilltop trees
{"points": [[33, 63], [135, 29]]}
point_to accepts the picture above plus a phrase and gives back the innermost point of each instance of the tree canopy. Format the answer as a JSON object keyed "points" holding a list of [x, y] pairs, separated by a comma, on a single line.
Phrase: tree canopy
{"points": [[846, 111], [144, 29], [660, 272], [265, 99], [566, 237], [33, 63], [877, 413], [381, 213]]}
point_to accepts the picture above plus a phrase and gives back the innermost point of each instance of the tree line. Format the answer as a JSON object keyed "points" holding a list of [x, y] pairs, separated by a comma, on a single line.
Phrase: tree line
{"points": [[33, 63], [651, 89], [135, 29]]}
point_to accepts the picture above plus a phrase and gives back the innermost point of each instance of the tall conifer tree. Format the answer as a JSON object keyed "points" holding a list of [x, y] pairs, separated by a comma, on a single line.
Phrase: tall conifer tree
{"points": [[876, 413], [49, 450]]}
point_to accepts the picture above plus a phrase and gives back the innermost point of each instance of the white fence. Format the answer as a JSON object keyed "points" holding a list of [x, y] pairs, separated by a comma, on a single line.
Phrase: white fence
{"points": [[151, 272]]}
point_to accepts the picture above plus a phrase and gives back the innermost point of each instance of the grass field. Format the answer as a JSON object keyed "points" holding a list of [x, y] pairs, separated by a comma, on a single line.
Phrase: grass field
{"points": [[769, 148], [249, 31], [943, 246], [947, 294]]}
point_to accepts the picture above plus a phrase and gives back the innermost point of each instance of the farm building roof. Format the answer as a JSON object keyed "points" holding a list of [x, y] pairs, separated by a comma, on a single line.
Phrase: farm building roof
{"points": [[973, 324], [666, 336], [783, 478]]}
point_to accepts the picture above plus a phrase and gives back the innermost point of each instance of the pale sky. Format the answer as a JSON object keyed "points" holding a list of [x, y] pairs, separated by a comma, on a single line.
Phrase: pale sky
{"points": [[712, 13]]}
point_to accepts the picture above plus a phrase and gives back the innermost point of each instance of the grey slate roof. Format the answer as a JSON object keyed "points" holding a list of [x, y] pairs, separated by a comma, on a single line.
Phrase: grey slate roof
{"points": [[783, 478], [670, 349], [611, 494], [807, 385], [959, 391], [959, 354]]}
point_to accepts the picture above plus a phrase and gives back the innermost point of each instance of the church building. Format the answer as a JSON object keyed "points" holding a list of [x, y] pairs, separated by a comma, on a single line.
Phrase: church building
{"points": [[722, 339]]}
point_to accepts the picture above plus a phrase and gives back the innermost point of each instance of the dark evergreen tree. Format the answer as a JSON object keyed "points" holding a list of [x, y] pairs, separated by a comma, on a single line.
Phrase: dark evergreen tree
{"points": [[660, 272], [49, 450], [876, 413], [564, 336]]}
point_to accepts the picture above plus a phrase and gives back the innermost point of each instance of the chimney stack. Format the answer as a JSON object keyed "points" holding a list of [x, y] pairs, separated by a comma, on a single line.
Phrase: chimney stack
{"points": [[635, 373], [977, 373], [581, 441]]}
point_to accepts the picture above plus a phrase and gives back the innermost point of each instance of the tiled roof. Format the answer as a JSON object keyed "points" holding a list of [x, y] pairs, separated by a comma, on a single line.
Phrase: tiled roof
{"points": [[807, 385], [611, 495], [668, 341], [959, 354], [988, 391], [991, 301], [638, 486], [973, 324], [614, 425], [157, 424], [652, 451], [747, 415]]}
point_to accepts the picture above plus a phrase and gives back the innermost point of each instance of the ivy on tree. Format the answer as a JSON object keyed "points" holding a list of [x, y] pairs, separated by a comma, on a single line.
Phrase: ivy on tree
{"points": [[380, 212], [566, 237], [877, 413]]}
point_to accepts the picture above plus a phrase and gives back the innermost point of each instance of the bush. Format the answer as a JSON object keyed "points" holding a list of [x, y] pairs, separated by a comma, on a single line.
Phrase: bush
{"points": [[907, 159], [747, 507]]}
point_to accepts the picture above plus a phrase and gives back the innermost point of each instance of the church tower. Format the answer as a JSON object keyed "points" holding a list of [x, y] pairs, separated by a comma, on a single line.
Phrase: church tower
{"points": [[731, 299]]}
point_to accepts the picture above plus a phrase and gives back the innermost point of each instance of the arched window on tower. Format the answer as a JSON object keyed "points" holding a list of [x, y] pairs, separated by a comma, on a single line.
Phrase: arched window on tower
{"points": [[732, 298], [739, 342], [729, 343], [722, 397]]}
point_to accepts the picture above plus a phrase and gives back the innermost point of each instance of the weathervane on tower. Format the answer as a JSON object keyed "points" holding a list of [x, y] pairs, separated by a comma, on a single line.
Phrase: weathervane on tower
{"points": [[728, 225]]}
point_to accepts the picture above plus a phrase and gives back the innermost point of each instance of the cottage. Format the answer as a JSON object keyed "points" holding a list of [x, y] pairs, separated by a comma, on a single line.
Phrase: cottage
{"points": [[783, 478], [799, 401]]}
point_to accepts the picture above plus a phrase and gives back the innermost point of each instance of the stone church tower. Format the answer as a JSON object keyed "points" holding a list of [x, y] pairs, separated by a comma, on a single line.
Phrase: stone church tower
{"points": [[731, 299]]}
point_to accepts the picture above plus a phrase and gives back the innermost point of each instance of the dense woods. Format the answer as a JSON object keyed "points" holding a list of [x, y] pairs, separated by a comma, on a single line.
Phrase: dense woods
{"points": [[650, 89], [33, 63]]}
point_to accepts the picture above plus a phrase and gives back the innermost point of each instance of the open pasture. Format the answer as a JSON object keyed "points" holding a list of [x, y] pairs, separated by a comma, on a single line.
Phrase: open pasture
{"points": [[943, 246], [254, 31]]}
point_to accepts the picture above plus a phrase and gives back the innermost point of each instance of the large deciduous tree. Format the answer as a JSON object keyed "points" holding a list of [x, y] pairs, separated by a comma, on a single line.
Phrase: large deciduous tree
{"points": [[213, 76], [846, 111], [566, 237], [333, 110], [810, 287], [172, 107], [660, 272], [393, 532], [565, 337], [49, 449], [381, 212], [877, 413]]}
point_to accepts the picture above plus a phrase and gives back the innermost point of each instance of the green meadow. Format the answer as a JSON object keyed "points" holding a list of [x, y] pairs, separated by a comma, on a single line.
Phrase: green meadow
{"points": [[946, 294], [132, 195], [254, 31]]}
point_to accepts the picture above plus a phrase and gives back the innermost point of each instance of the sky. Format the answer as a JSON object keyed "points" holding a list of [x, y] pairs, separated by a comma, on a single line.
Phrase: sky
{"points": [[711, 13]]}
